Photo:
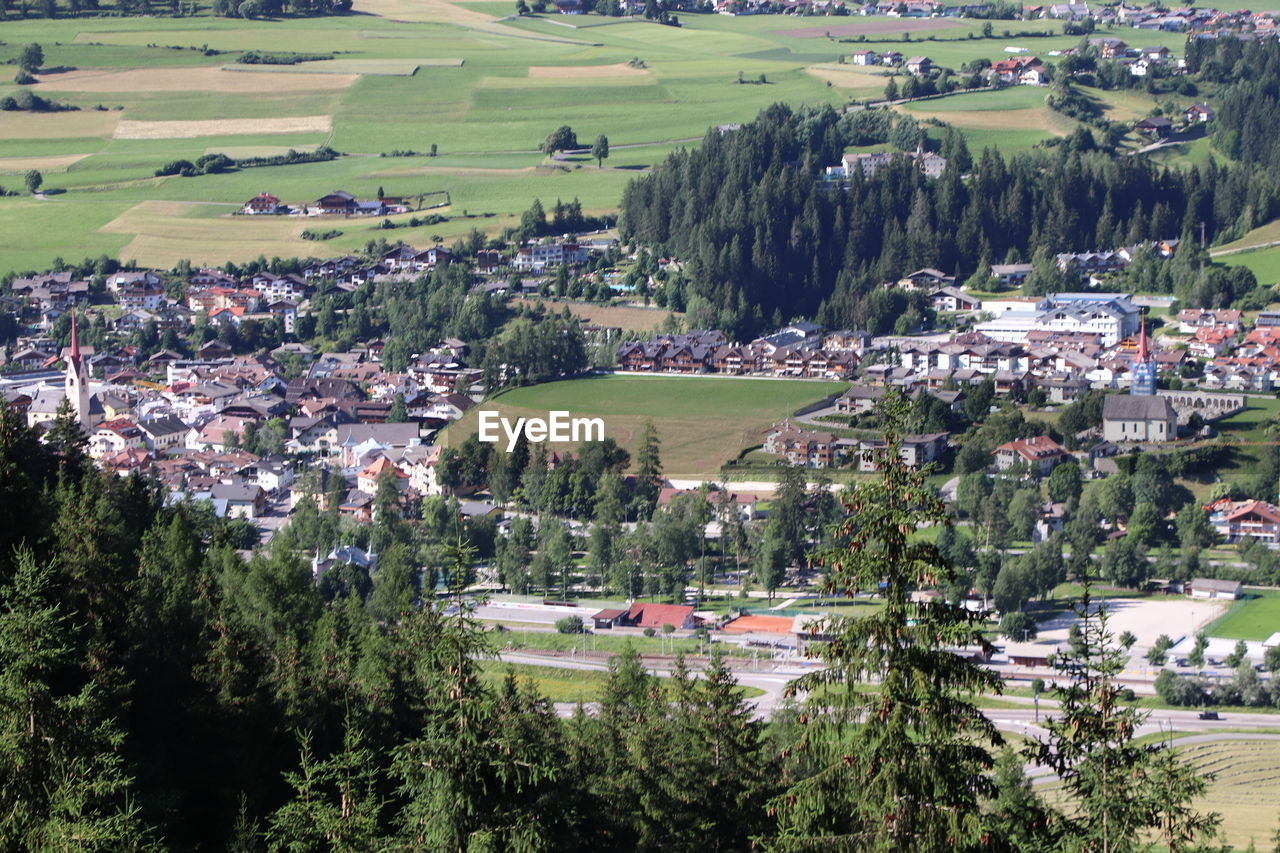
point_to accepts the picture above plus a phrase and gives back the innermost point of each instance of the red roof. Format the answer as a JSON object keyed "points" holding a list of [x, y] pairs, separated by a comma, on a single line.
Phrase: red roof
{"points": [[1266, 511], [1036, 447], [645, 615]]}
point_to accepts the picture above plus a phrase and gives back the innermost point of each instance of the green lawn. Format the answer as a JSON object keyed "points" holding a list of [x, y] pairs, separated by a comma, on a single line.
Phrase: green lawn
{"points": [[598, 641], [1265, 263], [702, 422], [1250, 425], [1255, 617]]}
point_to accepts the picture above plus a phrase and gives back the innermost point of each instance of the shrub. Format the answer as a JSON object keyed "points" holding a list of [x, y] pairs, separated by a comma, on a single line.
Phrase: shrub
{"points": [[570, 625], [22, 78], [649, 632]]}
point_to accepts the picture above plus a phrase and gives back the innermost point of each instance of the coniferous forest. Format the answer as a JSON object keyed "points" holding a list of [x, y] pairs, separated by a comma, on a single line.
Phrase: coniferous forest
{"points": [[765, 239], [160, 691]]}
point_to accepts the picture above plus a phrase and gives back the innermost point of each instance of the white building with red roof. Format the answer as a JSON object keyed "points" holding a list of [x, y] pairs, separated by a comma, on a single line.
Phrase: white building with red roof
{"points": [[1040, 453]]}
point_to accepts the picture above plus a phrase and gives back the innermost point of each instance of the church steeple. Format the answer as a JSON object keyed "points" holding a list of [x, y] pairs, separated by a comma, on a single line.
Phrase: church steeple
{"points": [[1143, 374], [77, 379]]}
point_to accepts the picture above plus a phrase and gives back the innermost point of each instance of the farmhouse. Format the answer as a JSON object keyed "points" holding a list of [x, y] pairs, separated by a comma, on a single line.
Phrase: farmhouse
{"points": [[263, 203], [1140, 418], [919, 65], [1197, 114]]}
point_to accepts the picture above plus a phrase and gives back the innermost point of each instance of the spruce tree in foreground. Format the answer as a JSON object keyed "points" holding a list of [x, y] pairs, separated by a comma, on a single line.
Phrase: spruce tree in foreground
{"points": [[903, 765], [1123, 791]]}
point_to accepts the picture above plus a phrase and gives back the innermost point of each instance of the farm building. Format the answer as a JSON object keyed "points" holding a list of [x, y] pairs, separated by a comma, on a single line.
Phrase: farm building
{"points": [[1214, 588]]}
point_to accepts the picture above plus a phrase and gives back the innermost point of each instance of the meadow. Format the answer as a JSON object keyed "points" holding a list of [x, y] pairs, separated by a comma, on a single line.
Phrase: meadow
{"points": [[482, 86], [702, 422]]}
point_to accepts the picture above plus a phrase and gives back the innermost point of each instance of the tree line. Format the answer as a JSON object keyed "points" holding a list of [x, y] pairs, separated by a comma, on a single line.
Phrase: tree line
{"points": [[763, 238]]}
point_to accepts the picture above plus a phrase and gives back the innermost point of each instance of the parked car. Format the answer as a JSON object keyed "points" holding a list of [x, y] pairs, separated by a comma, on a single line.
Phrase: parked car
{"points": [[1209, 715]]}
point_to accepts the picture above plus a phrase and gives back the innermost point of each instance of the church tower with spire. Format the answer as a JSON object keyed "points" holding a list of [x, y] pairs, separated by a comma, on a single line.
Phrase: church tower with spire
{"points": [[77, 380], [1142, 381]]}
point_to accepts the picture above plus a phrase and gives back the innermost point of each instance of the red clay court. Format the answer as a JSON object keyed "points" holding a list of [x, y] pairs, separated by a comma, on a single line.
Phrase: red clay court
{"points": [[759, 625]]}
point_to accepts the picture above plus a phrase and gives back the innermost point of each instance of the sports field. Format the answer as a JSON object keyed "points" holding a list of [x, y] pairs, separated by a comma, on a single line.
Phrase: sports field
{"points": [[1255, 617], [483, 87], [702, 421]]}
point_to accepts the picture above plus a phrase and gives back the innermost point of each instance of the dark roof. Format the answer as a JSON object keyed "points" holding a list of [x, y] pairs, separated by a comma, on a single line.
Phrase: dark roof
{"points": [[1125, 407]]}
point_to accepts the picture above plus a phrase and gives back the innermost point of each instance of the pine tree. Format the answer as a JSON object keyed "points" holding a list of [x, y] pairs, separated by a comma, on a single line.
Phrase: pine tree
{"points": [[61, 773], [336, 805], [913, 775], [648, 467], [719, 743], [1122, 789]]}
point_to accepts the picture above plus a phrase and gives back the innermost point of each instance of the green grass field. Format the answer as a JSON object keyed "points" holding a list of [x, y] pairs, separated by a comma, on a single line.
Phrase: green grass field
{"points": [[409, 75], [702, 422], [1255, 617], [1251, 424]]}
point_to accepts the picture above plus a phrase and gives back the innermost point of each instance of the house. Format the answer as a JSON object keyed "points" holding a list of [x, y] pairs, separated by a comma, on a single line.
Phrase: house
{"points": [[863, 57], [927, 278], [163, 433], [1039, 452], [808, 448], [337, 203], [1213, 588], [1157, 128], [241, 499], [114, 436], [488, 260], [1109, 48], [1144, 418], [1236, 521], [1192, 319], [915, 450], [952, 299], [1210, 343], [1198, 114], [263, 203], [286, 311], [919, 65]]}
